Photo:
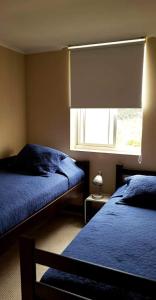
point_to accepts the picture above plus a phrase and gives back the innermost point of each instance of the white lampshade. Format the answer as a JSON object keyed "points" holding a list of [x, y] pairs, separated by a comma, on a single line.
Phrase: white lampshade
{"points": [[98, 182]]}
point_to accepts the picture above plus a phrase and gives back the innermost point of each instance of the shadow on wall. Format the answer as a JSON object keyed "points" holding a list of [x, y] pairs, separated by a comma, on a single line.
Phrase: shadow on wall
{"points": [[6, 152]]}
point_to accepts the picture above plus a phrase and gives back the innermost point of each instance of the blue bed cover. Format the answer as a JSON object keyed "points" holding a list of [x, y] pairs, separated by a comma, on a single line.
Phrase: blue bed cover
{"points": [[23, 195], [118, 236]]}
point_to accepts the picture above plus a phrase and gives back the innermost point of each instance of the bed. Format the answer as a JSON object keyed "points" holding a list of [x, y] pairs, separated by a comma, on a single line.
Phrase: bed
{"points": [[36, 183], [113, 257]]}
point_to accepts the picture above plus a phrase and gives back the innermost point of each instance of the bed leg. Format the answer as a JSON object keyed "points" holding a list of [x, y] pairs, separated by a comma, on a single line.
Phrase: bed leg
{"points": [[28, 268]]}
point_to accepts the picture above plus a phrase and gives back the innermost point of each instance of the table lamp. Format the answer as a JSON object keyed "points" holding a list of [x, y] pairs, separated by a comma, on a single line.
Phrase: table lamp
{"points": [[98, 183]]}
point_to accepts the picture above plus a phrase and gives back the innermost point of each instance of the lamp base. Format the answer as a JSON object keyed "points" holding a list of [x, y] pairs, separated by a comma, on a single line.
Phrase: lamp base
{"points": [[97, 196]]}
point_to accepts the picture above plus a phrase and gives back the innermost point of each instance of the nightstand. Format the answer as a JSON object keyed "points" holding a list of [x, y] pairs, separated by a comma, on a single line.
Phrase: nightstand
{"points": [[92, 205]]}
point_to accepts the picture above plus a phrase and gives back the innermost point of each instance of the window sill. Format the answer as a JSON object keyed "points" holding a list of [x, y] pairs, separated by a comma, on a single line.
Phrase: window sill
{"points": [[135, 152]]}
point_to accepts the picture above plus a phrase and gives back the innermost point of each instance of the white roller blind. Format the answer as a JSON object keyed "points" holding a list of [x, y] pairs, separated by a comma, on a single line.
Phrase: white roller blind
{"points": [[107, 77]]}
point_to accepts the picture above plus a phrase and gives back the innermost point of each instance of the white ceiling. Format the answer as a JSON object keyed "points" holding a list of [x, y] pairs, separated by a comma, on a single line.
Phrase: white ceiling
{"points": [[41, 25]]}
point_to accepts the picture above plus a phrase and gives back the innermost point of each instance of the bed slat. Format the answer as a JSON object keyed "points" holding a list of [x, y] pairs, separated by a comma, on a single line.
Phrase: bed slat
{"points": [[81, 268], [46, 292]]}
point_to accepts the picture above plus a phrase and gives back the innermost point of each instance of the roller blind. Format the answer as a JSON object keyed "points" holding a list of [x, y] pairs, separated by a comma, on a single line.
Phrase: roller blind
{"points": [[106, 77]]}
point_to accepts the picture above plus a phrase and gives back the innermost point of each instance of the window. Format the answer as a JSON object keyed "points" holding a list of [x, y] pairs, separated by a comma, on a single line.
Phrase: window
{"points": [[106, 130], [106, 97]]}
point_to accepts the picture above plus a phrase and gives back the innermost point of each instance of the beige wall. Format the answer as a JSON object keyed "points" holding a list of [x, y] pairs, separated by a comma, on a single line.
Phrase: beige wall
{"points": [[47, 109], [149, 99], [48, 112], [12, 101]]}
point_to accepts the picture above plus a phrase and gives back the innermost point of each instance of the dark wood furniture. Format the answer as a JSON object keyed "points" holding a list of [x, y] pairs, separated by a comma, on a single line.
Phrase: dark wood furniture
{"points": [[30, 256], [92, 205], [122, 172], [31, 289], [80, 191]]}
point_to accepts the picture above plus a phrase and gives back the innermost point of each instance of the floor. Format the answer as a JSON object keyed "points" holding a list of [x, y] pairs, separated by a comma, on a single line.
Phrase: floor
{"points": [[53, 235]]}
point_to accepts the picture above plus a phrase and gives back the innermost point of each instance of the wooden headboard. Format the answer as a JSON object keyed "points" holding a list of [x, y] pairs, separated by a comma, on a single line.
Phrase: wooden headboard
{"points": [[122, 172]]}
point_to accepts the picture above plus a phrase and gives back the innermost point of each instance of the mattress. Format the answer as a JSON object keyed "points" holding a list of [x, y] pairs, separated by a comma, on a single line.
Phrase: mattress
{"points": [[118, 236], [22, 195]]}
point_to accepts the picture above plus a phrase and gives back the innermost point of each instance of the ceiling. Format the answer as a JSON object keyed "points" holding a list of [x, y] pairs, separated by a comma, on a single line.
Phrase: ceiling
{"points": [[31, 26]]}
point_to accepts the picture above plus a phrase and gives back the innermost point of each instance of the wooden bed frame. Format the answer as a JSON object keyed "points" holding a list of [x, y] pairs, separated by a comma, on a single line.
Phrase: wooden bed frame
{"points": [[122, 172], [30, 256], [80, 191]]}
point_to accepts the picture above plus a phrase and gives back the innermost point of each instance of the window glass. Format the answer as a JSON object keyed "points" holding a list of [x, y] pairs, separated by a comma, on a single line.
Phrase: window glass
{"points": [[106, 130], [129, 128]]}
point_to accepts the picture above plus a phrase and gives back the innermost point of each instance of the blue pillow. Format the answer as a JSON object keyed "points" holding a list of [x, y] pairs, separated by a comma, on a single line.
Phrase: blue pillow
{"points": [[71, 171], [6, 162], [140, 191], [35, 159]]}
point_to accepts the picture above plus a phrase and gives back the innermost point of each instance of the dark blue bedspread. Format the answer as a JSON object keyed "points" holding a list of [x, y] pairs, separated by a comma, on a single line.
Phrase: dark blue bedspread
{"points": [[119, 236], [22, 195], [73, 173]]}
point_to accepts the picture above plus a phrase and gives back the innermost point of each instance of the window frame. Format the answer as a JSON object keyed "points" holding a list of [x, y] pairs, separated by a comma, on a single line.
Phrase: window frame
{"points": [[76, 145], [81, 127]]}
